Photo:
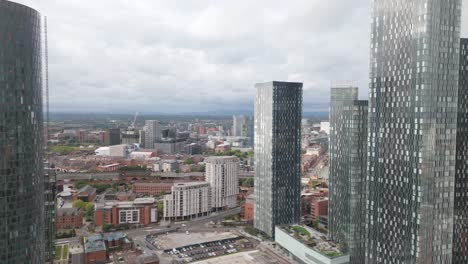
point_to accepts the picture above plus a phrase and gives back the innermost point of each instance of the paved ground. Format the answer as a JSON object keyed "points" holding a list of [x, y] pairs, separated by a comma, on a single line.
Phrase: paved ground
{"points": [[248, 257], [175, 240]]}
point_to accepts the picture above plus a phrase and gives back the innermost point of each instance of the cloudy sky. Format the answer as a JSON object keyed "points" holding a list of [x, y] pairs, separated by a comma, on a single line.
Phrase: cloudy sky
{"points": [[178, 56]]}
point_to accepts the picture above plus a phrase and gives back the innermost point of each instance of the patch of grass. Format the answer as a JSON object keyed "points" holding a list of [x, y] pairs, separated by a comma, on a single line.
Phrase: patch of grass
{"points": [[300, 230], [62, 150], [65, 252], [58, 252]]}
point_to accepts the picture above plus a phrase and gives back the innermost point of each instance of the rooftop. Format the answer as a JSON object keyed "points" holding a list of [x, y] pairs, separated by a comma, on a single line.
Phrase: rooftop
{"points": [[87, 189], [68, 211], [113, 236], [94, 243]]}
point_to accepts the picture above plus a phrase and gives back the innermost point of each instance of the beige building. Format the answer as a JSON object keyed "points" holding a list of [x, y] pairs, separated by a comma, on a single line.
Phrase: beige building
{"points": [[187, 201], [222, 173]]}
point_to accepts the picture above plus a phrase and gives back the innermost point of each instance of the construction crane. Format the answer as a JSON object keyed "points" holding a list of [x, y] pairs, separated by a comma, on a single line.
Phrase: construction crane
{"points": [[132, 126]]}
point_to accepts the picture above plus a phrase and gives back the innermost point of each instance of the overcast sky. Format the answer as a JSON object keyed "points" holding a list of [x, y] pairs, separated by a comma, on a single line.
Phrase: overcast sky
{"points": [[178, 56]]}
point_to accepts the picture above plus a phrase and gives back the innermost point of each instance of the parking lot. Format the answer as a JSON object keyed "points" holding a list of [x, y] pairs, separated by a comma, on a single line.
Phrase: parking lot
{"points": [[206, 250]]}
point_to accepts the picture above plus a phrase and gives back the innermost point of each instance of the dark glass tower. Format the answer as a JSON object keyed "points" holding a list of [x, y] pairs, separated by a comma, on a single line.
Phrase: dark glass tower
{"points": [[412, 130], [278, 113], [460, 235], [21, 140], [348, 162]]}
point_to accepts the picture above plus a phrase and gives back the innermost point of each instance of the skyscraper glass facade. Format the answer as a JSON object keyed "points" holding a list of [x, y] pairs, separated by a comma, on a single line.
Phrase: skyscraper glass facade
{"points": [[460, 234], [21, 140], [278, 113], [348, 161], [412, 130]]}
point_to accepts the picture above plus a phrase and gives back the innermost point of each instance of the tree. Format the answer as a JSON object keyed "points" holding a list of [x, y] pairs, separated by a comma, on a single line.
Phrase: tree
{"points": [[188, 161], [79, 204]]}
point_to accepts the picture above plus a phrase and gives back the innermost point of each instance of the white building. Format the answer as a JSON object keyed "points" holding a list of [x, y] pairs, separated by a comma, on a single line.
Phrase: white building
{"points": [[325, 126], [187, 201], [102, 151], [223, 175]]}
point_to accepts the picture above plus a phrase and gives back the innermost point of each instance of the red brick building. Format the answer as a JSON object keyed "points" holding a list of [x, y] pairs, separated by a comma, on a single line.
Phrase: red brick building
{"points": [[140, 211], [86, 194], [95, 250], [116, 240], [319, 207], [152, 188], [68, 218], [248, 209]]}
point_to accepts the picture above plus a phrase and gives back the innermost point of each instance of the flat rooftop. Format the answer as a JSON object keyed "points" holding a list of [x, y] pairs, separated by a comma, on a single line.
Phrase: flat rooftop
{"points": [[175, 240], [248, 257]]}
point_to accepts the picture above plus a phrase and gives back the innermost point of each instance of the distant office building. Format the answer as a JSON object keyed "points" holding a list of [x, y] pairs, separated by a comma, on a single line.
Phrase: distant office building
{"points": [[142, 139], [348, 163], [169, 147], [193, 149], [152, 188], [21, 136], [187, 201], [223, 175], [278, 114], [113, 136], [460, 235], [130, 136], [242, 126], [152, 133], [412, 131]]}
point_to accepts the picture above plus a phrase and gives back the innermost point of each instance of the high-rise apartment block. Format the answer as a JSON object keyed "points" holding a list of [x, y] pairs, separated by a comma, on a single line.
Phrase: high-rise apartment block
{"points": [[278, 114], [187, 201], [223, 175], [460, 234], [348, 162], [152, 133], [412, 131], [22, 233]]}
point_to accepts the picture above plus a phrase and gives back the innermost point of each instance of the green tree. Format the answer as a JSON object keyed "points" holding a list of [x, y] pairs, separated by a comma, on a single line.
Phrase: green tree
{"points": [[79, 204], [188, 161]]}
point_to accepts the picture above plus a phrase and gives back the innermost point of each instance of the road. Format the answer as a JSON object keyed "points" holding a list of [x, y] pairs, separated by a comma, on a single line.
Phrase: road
{"points": [[115, 175]]}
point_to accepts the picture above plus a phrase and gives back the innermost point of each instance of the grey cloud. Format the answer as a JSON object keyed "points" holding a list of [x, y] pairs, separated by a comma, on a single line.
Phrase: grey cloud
{"points": [[200, 55]]}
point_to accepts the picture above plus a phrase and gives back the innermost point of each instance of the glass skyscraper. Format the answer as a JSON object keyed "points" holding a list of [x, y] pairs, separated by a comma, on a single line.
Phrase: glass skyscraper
{"points": [[21, 140], [412, 131], [460, 235], [348, 161], [278, 113]]}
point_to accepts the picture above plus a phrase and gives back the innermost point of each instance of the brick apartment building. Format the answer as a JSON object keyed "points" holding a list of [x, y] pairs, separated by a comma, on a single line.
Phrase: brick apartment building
{"points": [[68, 218], [152, 188], [140, 211], [319, 207]]}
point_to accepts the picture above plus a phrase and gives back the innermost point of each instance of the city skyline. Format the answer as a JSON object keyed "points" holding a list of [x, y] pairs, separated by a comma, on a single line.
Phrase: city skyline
{"points": [[116, 71]]}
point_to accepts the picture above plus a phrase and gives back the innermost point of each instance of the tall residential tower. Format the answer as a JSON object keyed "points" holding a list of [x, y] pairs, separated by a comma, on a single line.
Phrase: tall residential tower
{"points": [[412, 130], [223, 175], [348, 162], [460, 235], [22, 231], [278, 113]]}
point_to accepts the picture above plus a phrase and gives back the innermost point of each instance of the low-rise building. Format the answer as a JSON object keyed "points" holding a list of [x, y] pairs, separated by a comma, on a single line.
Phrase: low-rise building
{"points": [[95, 249], [223, 147], [143, 154], [187, 201], [152, 188], [108, 168], [308, 246], [86, 194], [68, 218], [141, 211], [117, 240], [77, 253]]}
